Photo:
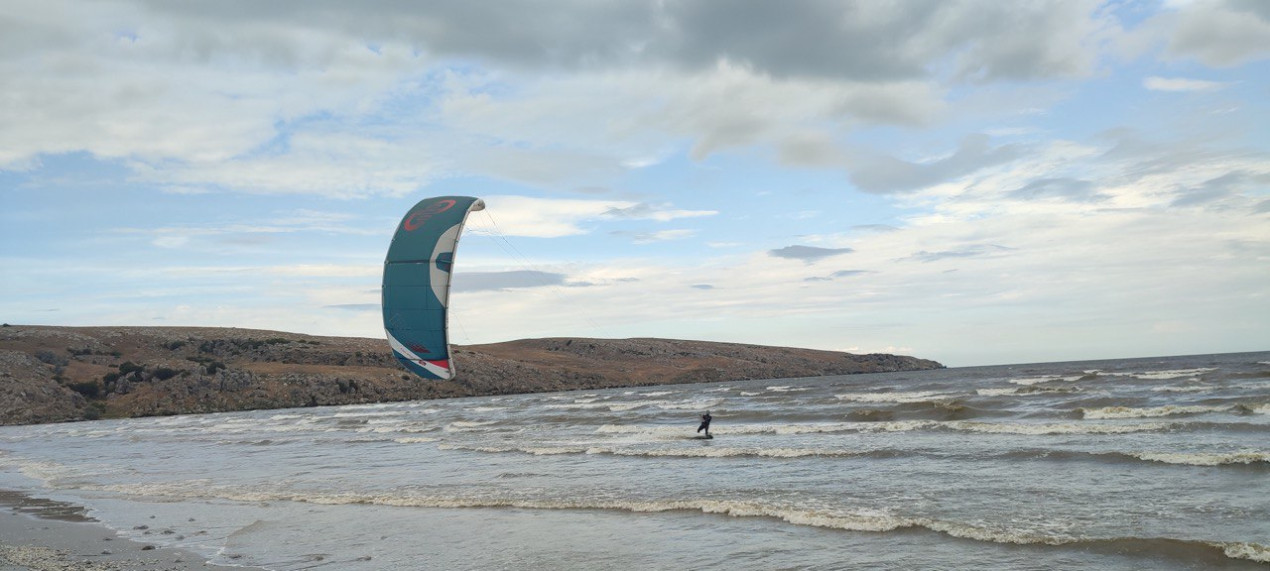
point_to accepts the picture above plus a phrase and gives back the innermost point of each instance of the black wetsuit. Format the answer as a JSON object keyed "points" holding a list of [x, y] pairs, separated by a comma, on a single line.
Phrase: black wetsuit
{"points": [[705, 423]]}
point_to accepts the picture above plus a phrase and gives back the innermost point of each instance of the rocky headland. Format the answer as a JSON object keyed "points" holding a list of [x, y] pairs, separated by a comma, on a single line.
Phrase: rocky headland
{"points": [[55, 374]]}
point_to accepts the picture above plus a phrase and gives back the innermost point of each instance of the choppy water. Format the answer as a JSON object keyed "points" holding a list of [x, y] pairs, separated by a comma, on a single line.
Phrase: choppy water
{"points": [[1131, 464]]}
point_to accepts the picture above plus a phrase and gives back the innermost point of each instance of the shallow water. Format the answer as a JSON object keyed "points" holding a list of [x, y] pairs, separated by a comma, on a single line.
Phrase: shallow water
{"points": [[1147, 463]]}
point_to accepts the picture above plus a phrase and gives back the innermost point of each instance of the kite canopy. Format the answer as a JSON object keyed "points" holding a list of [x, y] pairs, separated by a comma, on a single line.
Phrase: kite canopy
{"points": [[416, 290]]}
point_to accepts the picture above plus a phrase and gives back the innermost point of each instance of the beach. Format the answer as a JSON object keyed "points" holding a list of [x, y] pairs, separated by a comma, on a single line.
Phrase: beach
{"points": [[44, 535], [1125, 464]]}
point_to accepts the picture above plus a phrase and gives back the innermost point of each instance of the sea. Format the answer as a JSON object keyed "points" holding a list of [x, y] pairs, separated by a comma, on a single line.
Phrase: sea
{"points": [[1160, 463]]}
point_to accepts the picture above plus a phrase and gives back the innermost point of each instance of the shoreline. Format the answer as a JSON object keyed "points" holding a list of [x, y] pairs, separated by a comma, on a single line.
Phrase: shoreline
{"points": [[40, 534]]}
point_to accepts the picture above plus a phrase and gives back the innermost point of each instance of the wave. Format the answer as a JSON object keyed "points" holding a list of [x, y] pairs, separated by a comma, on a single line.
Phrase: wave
{"points": [[1167, 374], [632, 405], [1028, 381], [1242, 458], [1206, 459], [1027, 390], [982, 427], [846, 519], [1254, 408], [692, 452], [1112, 412], [415, 440], [895, 397], [677, 432], [1183, 389]]}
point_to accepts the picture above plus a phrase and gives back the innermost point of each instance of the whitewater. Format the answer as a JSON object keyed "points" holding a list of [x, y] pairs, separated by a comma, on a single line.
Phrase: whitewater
{"points": [[1159, 463]]}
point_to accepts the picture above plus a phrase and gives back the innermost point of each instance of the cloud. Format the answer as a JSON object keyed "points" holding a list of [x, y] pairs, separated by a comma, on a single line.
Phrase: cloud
{"points": [[339, 101], [355, 306], [1155, 83], [255, 232], [836, 275], [1062, 188], [884, 174], [467, 282], [657, 236], [1221, 33], [966, 252], [540, 217], [807, 253], [658, 213], [805, 38], [1221, 187]]}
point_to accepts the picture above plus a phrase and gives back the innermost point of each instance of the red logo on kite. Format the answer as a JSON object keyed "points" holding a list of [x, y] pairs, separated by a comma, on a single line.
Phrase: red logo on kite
{"points": [[417, 218]]}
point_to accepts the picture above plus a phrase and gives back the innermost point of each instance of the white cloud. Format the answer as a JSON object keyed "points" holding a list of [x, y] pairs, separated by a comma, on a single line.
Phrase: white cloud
{"points": [[1156, 83]]}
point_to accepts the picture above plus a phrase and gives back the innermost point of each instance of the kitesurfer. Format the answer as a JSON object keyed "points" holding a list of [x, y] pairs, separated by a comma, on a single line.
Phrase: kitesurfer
{"points": [[705, 423]]}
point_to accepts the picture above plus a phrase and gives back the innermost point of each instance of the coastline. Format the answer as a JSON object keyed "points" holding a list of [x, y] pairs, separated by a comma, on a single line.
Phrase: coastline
{"points": [[40, 534]]}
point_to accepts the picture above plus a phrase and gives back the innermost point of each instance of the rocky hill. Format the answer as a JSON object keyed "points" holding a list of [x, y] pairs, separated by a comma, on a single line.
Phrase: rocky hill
{"points": [[52, 374]]}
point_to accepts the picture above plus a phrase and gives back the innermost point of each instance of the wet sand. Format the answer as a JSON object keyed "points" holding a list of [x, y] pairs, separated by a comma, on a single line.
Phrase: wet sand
{"points": [[41, 534]]}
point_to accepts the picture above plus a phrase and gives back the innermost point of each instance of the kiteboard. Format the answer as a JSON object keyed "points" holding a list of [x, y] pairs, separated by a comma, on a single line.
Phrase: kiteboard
{"points": [[706, 437]]}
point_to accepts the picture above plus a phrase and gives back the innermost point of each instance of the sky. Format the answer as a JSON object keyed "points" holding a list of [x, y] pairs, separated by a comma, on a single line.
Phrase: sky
{"points": [[975, 182]]}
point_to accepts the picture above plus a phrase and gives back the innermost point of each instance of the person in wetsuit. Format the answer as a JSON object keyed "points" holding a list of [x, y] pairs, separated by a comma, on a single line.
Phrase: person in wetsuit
{"points": [[705, 423]]}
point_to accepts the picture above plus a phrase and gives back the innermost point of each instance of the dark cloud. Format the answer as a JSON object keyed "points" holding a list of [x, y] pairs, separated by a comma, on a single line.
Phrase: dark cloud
{"points": [[1220, 33], [1064, 188], [807, 253], [491, 281], [702, 286], [860, 40], [884, 174]]}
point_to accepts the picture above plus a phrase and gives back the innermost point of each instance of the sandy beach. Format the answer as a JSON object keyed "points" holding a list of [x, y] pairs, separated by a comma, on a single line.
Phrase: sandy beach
{"points": [[41, 534]]}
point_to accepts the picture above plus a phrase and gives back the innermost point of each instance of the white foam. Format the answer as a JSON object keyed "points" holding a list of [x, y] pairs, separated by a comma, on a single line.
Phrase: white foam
{"points": [[578, 406], [675, 432], [895, 397], [1192, 459], [1038, 429], [1155, 412], [1170, 374], [1183, 389], [693, 452], [830, 517], [369, 413], [997, 392], [468, 425], [1249, 551], [1028, 381]]}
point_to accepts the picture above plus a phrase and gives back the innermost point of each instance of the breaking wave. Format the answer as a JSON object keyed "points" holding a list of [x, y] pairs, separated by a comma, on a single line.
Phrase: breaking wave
{"points": [[1243, 458], [1111, 412], [895, 397], [694, 452], [828, 517], [1202, 459], [1028, 381]]}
